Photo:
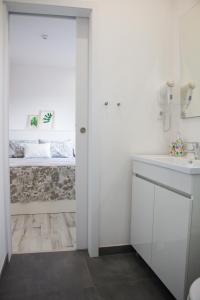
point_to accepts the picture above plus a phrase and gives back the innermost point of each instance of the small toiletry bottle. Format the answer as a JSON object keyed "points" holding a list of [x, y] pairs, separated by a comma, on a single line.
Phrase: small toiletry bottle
{"points": [[172, 149], [179, 146]]}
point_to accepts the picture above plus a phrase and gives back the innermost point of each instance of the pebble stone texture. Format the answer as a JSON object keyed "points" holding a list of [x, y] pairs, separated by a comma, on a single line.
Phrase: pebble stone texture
{"points": [[41, 183]]}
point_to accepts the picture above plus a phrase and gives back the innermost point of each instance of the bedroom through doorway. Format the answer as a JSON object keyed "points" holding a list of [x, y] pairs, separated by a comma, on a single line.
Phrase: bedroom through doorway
{"points": [[42, 133]]}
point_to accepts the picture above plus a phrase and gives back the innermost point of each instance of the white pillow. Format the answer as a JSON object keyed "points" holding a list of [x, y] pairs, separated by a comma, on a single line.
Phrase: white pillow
{"points": [[37, 150], [60, 148]]}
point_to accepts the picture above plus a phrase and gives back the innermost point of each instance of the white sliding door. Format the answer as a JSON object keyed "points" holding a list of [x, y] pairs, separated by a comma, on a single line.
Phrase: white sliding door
{"points": [[82, 131]]}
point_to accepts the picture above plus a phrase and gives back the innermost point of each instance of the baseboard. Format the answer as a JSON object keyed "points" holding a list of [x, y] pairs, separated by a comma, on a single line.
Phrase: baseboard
{"points": [[116, 250], [40, 207], [4, 266]]}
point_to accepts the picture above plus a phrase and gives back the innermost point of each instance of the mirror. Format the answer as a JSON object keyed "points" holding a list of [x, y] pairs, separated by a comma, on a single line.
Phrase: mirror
{"points": [[190, 63]]}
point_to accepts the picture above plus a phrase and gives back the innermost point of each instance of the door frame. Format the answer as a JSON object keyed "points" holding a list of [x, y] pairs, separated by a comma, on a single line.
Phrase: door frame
{"points": [[76, 9]]}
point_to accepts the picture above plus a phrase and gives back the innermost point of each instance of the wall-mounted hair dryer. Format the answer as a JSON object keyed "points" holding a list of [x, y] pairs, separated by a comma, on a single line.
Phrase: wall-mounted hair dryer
{"points": [[170, 85], [186, 97], [166, 98]]}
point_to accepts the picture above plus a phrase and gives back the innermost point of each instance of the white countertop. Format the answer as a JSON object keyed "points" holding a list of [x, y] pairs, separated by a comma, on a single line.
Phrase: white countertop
{"points": [[182, 164]]}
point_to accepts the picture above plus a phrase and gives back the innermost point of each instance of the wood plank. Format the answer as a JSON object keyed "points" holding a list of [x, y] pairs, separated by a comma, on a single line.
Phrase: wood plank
{"points": [[43, 232]]}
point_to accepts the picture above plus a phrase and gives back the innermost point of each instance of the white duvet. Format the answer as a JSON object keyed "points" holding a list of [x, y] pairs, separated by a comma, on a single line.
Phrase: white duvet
{"points": [[20, 162]]}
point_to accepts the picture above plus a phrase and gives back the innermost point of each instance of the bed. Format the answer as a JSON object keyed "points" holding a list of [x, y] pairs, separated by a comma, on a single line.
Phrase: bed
{"points": [[38, 179]]}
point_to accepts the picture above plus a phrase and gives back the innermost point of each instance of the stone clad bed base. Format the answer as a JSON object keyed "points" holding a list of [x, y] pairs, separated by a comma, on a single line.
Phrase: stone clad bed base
{"points": [[42, 183], [42, 189]]}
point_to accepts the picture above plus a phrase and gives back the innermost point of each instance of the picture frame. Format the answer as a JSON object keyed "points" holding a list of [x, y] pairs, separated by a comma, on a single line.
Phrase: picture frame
{"points": [[33, 121], [47, 119]]}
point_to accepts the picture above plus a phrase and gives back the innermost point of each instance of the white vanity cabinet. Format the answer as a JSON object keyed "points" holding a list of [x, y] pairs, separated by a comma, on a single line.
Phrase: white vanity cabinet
{"points": [[141, 233], [164, 225], [171, 225]]}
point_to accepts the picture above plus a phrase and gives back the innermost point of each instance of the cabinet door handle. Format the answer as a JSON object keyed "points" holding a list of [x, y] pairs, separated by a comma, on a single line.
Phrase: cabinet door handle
{"points": [[165, 186]]}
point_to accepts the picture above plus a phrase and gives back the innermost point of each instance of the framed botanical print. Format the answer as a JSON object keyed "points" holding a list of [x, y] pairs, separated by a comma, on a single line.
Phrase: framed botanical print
{"points": [[47, 119], [33, 121]]}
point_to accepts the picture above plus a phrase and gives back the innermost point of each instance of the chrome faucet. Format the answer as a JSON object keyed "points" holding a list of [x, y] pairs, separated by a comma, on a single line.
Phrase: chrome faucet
{"points": [[195, 149]]}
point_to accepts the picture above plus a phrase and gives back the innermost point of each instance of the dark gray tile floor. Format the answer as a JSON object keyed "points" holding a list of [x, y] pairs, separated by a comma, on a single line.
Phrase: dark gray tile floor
{"points": [[75, 276]]}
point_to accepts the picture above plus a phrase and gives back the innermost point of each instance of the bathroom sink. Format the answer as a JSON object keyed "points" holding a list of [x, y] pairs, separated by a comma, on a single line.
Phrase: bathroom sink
{"points": [[181, 164]]}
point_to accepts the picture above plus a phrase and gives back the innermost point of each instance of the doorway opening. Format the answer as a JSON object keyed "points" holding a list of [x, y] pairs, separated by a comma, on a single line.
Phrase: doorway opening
{"points": [[43, 121], [87, 161]]}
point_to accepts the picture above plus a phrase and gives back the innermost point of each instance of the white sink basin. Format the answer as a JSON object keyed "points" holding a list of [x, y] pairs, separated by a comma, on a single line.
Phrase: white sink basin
{"points": [[182, 164]]}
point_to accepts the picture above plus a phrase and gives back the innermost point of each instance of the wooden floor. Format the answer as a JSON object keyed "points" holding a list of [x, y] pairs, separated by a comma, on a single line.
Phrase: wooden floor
{"points": [[43, 233]]}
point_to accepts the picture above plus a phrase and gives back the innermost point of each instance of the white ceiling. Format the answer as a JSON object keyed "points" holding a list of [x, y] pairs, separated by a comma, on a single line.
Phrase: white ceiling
{"points": [[27, 46]]}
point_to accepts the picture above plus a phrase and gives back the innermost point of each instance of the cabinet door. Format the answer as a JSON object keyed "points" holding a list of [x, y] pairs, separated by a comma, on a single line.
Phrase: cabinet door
{"points": [[142, 217], [170, 239]]}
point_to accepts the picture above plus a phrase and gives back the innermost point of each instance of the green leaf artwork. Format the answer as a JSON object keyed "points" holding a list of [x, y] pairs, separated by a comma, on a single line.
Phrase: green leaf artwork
{"points": [[47, 118], [34, 121]]}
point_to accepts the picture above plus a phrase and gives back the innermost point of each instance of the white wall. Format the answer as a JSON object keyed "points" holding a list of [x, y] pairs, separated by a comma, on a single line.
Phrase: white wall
{"points": [[184, 5], [133, 56], [3, 247], [34, 88]]}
